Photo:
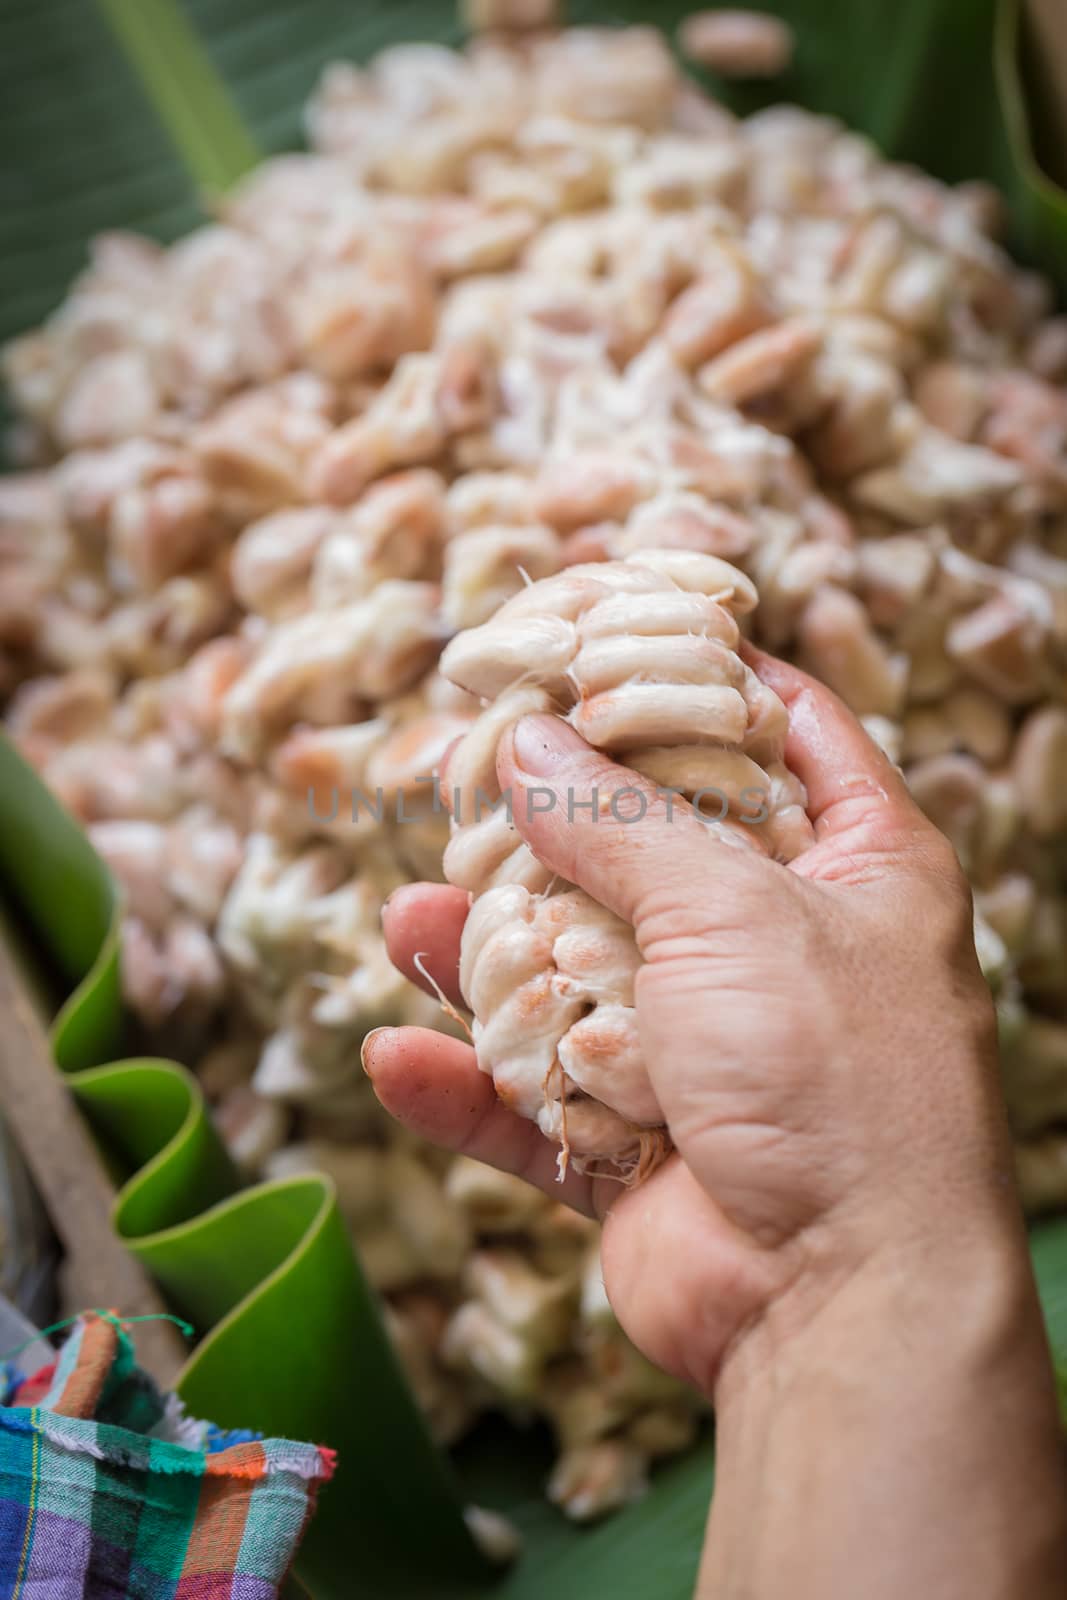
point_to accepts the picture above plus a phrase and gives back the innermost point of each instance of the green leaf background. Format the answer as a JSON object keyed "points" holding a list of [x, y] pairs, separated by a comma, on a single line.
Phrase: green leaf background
{"points": [[131, 113]]}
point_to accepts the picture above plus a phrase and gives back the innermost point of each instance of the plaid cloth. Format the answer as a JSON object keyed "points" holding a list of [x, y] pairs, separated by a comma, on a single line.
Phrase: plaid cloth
{"points": [[109, 1492]]}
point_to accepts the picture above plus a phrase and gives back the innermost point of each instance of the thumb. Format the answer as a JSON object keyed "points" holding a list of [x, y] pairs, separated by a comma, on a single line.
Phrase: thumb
{"points": [[629, 844]]}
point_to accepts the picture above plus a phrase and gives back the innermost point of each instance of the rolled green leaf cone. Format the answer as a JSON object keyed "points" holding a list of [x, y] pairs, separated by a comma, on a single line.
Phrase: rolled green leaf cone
{"points": [[290, 1337]]}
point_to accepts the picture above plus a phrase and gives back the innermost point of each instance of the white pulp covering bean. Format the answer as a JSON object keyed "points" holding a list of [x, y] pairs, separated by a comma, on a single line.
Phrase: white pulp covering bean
{"points": [[534, 304], [641, 655]]}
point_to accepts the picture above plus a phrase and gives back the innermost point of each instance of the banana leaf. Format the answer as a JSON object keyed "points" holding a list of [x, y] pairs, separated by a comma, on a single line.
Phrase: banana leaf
{"points": [[101, 135], [133, 114]]}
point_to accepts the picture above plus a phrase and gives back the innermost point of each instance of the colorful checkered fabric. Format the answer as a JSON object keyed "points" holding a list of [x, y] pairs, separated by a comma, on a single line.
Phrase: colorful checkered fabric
{"points": [[109, 1492]]}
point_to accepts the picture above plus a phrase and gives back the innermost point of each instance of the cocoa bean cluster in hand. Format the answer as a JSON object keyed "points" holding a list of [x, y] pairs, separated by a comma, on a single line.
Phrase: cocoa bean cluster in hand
{"points": [[641, 656]]}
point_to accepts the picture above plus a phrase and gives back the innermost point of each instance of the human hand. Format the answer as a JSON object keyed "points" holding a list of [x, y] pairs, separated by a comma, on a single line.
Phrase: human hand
{"points": [[819, 1037], [834, 1251]]}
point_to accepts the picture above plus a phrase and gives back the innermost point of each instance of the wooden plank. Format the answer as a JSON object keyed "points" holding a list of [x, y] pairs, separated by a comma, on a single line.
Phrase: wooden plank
{"points": [[70, 1177]]}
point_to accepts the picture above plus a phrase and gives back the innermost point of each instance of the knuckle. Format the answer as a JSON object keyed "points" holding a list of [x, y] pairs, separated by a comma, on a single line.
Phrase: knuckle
{"points": [[948, 873], [948, 914]]}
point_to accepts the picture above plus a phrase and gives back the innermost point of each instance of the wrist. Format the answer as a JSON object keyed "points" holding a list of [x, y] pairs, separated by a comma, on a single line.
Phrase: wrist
{"points": [[961, 1297], [926, 1234], [896, 1435]]}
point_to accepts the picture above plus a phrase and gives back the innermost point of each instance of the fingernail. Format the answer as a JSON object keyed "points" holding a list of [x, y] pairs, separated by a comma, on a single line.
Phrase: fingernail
{"points": [[541, 743], [367, 1037]]}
